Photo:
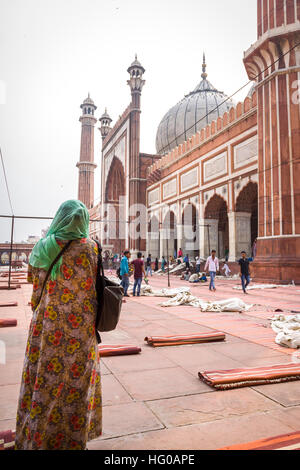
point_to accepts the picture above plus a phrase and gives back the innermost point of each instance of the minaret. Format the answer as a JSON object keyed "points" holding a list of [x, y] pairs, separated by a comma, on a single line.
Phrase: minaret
{"points": [[136, 84], [105, 122], [274, 62], [86, 164]]}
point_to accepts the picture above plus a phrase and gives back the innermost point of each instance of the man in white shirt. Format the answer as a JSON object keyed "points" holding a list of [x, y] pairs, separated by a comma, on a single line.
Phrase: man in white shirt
{"points": [[212, 264], [226, 269]]}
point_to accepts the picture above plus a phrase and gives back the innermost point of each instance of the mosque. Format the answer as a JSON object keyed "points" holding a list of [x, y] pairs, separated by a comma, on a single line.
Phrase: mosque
{"points": [[224, 174]]}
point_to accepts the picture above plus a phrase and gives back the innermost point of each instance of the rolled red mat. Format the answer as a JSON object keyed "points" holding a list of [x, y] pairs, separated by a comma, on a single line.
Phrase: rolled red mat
{"points": [[9, 288], [179, 340], [8, 304], [6, 322], [106, 350], [7, 440], [249, 377], [289, 441]]}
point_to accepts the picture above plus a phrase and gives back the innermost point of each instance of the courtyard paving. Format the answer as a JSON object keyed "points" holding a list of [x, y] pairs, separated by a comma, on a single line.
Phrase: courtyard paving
{"points": [[155, 400]]}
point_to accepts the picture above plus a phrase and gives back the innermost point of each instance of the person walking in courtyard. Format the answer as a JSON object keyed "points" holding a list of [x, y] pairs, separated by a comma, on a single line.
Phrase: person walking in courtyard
{"points": [[180, 253], [245, 271], [187, 262], [139, 272], [212, 264], [163, 264], [156, 265], [226, 269], [124, 272], [148, 264], [60, 403]]}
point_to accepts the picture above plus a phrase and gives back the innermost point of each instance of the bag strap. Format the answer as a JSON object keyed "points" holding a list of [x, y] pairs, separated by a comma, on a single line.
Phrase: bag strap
{"points": [[99, 282], [100, 264], [52, 264]]}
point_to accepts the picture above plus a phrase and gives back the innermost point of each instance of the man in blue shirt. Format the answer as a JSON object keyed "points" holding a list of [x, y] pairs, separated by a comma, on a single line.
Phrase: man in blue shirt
{"points": [[148, 265], [124, 272]]}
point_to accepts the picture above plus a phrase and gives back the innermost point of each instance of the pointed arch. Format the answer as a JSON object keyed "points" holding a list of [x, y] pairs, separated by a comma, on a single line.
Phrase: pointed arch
{"points": [[115, 181], [190, 226], [216, 215], [247, 201]]}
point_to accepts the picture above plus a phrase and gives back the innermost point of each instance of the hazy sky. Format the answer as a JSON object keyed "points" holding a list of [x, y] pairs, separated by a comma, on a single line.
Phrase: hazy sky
{"points": [[52, 53]]}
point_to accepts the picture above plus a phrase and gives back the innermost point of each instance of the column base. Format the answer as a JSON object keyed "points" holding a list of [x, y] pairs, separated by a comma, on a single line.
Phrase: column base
{"points": [[278, 261]]}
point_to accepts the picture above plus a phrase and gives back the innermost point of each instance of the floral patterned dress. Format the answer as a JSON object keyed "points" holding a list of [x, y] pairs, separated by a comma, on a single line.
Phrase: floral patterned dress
{"points": [[60, 404]]}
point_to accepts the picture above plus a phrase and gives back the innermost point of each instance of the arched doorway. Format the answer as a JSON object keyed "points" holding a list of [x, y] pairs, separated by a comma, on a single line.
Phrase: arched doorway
{"points": [[169, 231], [190, 231], [153, 237], [216, 217], [4, 258], [115, 214], [246, 208]]}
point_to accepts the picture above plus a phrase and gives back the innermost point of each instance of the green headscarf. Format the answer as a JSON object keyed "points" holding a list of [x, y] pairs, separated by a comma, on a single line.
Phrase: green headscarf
{"points": [[71, 222]]}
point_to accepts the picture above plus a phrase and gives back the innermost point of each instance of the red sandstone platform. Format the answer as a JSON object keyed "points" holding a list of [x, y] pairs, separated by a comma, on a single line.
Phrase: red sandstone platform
{"points": [[155, 400]]}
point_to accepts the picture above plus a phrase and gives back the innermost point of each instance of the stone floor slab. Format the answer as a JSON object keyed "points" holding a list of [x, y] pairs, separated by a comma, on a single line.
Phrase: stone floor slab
{"points": [[9, 395], [148, 359], [287, 394], [112, 391], [289, 416], [162, 383], [129, 418], [206, 436], [196, 409], [11, 373], [241, 351]]}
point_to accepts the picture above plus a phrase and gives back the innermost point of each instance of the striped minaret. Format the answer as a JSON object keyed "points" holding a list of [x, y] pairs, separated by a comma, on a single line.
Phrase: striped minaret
{"points": [[86, 163], [274, 62]]}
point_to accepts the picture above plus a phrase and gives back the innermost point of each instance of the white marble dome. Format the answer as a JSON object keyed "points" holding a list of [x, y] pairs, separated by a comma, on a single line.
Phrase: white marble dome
{"points": [[195, 111]]}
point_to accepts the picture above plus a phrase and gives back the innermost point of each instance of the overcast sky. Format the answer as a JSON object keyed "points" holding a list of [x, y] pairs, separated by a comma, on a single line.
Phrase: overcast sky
{"points": [[52, 53]]}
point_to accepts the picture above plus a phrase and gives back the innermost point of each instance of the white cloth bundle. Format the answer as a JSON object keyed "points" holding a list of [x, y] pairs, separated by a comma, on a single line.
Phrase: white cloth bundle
{"points": [[228, 305], [287, 328]]}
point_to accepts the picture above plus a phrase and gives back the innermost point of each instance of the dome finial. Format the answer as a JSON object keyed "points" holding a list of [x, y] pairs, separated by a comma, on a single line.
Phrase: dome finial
{"points": [[204, 74]]}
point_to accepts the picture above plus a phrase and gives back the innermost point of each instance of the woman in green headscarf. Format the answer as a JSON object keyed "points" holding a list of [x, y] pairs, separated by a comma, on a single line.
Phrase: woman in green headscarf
{"points": [[60, 404]]}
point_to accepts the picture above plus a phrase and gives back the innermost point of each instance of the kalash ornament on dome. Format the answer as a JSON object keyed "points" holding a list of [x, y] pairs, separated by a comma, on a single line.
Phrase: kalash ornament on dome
{"points": [[195, 111]]}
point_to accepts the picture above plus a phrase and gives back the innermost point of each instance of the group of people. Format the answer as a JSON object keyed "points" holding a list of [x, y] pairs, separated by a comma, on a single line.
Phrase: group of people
{"points": [[139, 272], [212, 265]]}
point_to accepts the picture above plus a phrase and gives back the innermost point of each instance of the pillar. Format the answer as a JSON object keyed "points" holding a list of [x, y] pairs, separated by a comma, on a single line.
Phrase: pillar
{"points": [[180, 237], [243, 233], [211, 235], [232, 236], [274, 62]]}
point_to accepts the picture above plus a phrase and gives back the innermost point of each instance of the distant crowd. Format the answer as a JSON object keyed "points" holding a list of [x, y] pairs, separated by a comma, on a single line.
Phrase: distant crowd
{"points": [[142, 268]]}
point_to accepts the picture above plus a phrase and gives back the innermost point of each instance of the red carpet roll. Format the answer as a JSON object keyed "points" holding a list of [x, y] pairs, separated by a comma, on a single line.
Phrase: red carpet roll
{"points": [[8, 304], [284, 442], [236, 378], [7, 440], [106, 350], [6, 322], [177, 340]]}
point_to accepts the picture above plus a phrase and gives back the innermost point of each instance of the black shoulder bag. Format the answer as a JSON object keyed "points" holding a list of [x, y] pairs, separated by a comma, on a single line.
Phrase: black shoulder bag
{"points": [[109, 297]]}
